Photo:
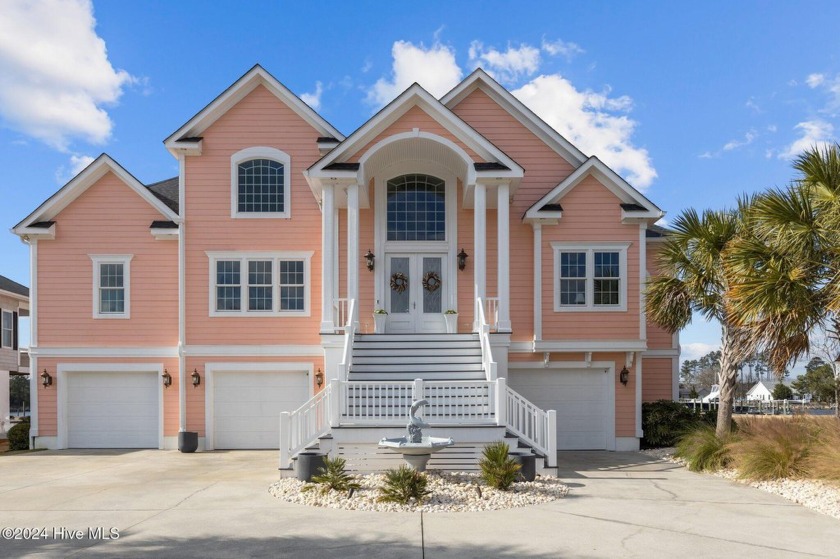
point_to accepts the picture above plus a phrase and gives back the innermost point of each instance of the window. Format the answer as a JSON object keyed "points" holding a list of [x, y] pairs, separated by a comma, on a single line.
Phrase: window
{"points": [[8, 330], [111, 286], [591, 277], [416, 208], [259, 284], [260, 183]]}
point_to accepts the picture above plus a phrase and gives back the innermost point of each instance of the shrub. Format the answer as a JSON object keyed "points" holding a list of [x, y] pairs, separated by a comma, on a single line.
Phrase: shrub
{"points": [[332, 477], [19, 436], [824, 460], [404, 485], [774, 448], [703, 451], [498, 469], [782, 392], [664, 422]]}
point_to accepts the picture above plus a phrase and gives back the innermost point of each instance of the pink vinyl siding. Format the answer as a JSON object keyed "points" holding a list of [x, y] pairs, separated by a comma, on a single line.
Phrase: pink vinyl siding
{"points": [[260, 119], [658, 379], [657, 337], [109, 218]]}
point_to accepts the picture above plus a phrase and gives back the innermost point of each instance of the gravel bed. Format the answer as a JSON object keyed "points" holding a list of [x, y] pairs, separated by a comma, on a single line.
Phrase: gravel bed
{"points": [[451, 492], [813, 494]]}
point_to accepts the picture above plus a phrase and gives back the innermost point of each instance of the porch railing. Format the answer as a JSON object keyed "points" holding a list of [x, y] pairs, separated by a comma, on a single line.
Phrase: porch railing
{"points": [[487, 363], [533, 425], [491, 312], [349, 334], [302, 427], [341, 314]]}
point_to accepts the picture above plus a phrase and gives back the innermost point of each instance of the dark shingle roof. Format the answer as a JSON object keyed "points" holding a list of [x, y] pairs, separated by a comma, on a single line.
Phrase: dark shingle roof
{"points": [[551, 208], [163, 225], [656, 231], [43, 224], [327, 140], [167, 192], [633, 208], [13, 287], [492, 166], [342, 167], [194, 139]]}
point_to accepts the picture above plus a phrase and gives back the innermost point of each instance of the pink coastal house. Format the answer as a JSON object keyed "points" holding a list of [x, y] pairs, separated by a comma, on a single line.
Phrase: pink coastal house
{"points": [[239, 300]]}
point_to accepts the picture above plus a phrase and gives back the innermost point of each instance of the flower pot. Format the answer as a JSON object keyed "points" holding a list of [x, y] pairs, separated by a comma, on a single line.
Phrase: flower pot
{"points": [[379, 321], [451, 323]]}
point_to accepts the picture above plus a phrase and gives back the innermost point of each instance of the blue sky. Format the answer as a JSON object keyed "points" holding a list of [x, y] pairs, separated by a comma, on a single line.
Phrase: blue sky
{"points": [[694, 103]]}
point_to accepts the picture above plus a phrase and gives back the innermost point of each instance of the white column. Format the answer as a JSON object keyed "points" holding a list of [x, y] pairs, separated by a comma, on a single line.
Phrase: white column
{"points": [[33, 342], [327, 258], [353, 246], [537, 281], [503, 261], [480, 242]]}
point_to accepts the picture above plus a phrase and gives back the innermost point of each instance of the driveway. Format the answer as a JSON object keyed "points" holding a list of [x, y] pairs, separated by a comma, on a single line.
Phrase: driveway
{"points": [[217, 504]]}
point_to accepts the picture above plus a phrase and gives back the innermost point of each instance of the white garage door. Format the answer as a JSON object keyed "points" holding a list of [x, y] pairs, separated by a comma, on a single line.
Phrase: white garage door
{"points": [[580, 397], [247, 406], [113, 410]]}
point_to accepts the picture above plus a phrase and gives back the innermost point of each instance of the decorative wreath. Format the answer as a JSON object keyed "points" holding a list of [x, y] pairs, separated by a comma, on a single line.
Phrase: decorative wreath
{"points": [[431, 282], [399, 282]]}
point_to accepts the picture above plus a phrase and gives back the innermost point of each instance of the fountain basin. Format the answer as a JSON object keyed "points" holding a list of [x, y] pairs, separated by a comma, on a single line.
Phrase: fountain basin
{"points": [[416, 454]]}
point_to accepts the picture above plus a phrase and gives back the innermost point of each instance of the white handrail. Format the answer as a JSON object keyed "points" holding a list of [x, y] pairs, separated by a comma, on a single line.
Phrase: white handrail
{"points": [[305, 425], [349, 334], [340, 314], [487, 363], [491, 312], [533, 425]]}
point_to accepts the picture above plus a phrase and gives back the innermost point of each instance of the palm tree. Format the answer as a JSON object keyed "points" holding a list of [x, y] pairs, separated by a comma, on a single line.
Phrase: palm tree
{"points": [[692, 279]]}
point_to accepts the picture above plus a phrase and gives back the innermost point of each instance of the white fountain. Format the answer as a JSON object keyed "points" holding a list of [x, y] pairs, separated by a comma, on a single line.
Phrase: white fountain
{"points": [[414, 447]]}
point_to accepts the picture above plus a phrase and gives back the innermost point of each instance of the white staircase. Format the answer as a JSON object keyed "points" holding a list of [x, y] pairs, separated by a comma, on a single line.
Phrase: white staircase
{"points": [[406, 357]]}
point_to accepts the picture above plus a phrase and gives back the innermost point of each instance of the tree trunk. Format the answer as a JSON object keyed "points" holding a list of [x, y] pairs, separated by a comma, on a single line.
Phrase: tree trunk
{"points": [[729, 360]]}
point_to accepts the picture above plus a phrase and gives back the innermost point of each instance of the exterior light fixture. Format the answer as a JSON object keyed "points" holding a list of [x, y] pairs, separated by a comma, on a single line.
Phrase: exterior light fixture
{"points": [[369, 258], [196, 378], [319, 378], [167, 378], [462, 260], [46, 379], [624, 376]]}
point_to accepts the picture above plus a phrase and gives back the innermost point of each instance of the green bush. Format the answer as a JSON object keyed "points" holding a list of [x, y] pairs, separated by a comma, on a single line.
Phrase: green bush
{"points": [[664, 422], [782, 392], [498, 469], [404, 485], [332, 477], [19, 436], [703, 451]]}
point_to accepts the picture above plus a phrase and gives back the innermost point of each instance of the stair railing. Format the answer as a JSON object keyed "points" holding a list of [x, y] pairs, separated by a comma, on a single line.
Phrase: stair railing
{"points": [[302, 427], [487, 363], [349, 334], [536, 427]]}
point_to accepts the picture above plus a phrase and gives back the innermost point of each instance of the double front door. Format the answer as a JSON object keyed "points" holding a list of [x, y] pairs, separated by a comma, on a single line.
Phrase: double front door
{"points": [[417, 288]]}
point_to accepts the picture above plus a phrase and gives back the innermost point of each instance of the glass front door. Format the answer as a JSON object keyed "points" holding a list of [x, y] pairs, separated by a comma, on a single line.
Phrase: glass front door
{"points": [[417, 289]]}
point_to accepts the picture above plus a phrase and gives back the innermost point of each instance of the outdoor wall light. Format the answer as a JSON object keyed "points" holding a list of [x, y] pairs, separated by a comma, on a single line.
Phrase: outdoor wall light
{"points": [[624, 376], [369, 258], [319, 378], [462, 260], [167, 378], [196, 378], [46, 379]]}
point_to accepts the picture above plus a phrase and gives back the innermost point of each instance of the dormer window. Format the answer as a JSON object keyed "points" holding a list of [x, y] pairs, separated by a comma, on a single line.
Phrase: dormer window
{"points": [[260, 183]]}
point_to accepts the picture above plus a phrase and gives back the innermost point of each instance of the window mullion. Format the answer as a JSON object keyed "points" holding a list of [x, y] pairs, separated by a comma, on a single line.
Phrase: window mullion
{"points": [[275, 285]]}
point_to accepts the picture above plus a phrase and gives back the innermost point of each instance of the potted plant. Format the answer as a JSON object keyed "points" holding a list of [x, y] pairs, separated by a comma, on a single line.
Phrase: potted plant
{"points": [[451, 317], [380, 317]]}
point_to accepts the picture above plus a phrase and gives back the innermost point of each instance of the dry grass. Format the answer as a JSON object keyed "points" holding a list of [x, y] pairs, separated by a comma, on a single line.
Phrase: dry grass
{"points": [[774, 448], [824, 460], [703, 451]]}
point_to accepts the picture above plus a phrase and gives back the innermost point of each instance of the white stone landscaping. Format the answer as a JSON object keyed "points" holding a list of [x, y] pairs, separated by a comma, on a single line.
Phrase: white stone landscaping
{"points": [[451, 492]]}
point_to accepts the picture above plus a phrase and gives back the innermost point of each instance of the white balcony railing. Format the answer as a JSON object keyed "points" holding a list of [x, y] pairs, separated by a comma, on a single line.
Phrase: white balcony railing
{"points": [[491, 312], [488, 364], [349, 335], [341, 314]]}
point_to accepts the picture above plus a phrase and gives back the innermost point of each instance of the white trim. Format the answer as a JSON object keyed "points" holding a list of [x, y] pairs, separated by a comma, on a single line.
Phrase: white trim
{"points": [[78, 185], [99, 351], [570, 346], [33, 341], [503, 255], [254, 350], [353, 248], [210, 369], [11, 314], [62, 370], [659, 353], [244, 257], [639, 432], [164, 233], [18, 296], [675, 377], [479, 248], [537, 280], [182, 294], [236, 92], [260, 152], [642, 280], [329, 267], [125, 261], [590, 248]]}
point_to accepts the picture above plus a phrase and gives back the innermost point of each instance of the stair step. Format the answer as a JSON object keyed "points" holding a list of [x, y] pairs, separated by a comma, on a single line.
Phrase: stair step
{"points": [[410, 376], [417, 352], [416, 337], [413, 345], [399, 367]]}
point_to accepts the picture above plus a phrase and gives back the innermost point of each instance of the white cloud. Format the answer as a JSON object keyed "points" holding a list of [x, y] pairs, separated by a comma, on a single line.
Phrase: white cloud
{"points": [[595, 122], [434, 68], [77, 164], [696, 350], [565, 49], [813, 133], [313, 99], [815, 80], [507, 66], [751, 104], [55, 75], [735, 144]]}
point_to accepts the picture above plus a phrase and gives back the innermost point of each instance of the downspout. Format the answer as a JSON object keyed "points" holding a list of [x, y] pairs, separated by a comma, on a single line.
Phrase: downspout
{"points": [[182, 331], [33, 339]]}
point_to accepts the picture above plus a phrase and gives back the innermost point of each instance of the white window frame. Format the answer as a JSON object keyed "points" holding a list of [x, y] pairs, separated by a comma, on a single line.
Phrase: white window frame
{"points": [[125, 261], [244, 258], [260, 152], [11, 330], [590, 249]]}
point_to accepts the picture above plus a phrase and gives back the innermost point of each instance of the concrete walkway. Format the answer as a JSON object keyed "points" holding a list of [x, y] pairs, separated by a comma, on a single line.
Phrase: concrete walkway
{"points": [[217, 504]]}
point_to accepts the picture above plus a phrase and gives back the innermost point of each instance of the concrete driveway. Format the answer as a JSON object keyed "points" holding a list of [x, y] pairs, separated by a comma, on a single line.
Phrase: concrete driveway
{"points": [[216, 504]]}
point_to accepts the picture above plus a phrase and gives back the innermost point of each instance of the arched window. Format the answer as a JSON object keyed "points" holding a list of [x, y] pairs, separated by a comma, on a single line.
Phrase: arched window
{"points": [[416, 208], [260, 183]]}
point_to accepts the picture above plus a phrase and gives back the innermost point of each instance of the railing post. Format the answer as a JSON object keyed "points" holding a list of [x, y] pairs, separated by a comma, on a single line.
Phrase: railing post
{"points": [[335, 396], [285, 439], [501, 401], [418, 390], [551, 443]]}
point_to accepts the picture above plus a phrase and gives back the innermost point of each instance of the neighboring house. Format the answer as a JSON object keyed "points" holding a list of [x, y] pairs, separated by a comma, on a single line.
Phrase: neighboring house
{"points": [[14, 304], [711, 395], [762, 390], [252, 278]]}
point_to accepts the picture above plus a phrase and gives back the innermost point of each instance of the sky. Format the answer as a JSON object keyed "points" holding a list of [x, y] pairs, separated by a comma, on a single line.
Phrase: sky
{"points": [[694, 103]]}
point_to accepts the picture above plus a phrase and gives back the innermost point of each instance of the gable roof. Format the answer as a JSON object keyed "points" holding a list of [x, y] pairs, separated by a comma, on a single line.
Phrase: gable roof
{"points": [[633, 203], [78, 185], [480, 79], [11, 286], [167, 192], [188, 136]]}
